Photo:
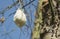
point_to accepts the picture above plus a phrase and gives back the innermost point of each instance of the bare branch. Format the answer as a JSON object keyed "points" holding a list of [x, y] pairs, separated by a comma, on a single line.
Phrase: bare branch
{"points": [[14, 4]]}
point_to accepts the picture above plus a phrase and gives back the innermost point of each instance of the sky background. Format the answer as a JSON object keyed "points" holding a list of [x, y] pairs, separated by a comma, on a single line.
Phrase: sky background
{"points": [[9, 30]]}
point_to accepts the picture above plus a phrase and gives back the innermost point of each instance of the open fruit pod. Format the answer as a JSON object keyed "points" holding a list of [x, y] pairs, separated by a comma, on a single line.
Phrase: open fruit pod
{"points": [[20, 18]]}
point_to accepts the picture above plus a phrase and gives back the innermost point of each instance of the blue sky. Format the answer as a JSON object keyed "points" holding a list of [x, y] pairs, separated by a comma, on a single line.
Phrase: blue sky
{"points": [[9, 30]]}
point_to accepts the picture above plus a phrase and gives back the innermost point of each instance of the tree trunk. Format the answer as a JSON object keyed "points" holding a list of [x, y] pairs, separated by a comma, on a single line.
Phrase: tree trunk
{"points": [[38, 21], [47, 22]]}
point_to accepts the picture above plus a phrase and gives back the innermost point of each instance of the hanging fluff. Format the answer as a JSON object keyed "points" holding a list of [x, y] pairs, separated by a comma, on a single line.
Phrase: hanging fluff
{"points": [[20, 18]]}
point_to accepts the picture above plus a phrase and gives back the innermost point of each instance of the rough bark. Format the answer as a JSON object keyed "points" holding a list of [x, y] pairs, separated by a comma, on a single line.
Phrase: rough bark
{"points": [[38, 21], [47, 22]]}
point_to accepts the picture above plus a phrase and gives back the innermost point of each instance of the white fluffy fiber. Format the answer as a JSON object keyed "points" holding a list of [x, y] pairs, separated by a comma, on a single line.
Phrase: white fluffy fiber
{"points": [[20, 18]]}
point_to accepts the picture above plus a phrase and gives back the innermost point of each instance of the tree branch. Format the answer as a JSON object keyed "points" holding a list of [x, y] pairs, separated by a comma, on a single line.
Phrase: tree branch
{"points": [[14, 4]]}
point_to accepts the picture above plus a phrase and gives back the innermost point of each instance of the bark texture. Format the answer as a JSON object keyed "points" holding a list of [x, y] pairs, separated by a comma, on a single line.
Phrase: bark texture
{"points": [[38, 21], [47, 22]]}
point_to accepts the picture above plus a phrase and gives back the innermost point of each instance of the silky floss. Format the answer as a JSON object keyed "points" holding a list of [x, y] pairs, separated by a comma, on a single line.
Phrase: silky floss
{"points": [[20, 18]]}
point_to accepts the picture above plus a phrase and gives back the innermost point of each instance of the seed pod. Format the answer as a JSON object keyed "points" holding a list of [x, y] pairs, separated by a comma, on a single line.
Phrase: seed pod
{"points": [[2, 19], [20, 18]]}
